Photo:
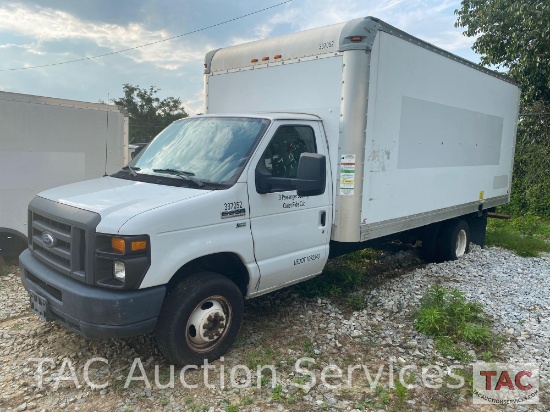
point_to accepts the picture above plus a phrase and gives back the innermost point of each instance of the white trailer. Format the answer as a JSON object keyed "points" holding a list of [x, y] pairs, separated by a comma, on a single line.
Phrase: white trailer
{"points": [[313, 144], [47, 142]]}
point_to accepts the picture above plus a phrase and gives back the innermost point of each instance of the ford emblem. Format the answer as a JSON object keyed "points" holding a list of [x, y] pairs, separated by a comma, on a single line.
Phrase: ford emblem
{"points": [[48, 240]]}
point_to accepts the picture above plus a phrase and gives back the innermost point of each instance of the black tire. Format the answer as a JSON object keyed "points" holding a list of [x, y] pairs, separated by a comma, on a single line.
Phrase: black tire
{"points": [[454, 240], [206, 301]]}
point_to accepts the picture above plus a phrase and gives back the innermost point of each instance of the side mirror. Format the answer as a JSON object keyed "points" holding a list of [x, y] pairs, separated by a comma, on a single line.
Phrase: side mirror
{"points": [[312, 174], [310, 179]]}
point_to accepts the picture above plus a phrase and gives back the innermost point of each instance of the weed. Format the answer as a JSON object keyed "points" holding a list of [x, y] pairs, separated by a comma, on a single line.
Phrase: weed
{"points": [[308, 348], [16, 326], [119, 383], [356, 301], [400, 392], [340, 276], [526, 236], [448, 348], [365, 403], [231, 408], [456, 323], [383, 394], [527, 225], [263, 355], [301, 380], [278, 392], [263, 381]]}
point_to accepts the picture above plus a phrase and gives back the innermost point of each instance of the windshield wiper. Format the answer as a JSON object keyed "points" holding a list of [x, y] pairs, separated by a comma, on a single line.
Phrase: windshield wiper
{"points": [[181, 173], [132, 170]]}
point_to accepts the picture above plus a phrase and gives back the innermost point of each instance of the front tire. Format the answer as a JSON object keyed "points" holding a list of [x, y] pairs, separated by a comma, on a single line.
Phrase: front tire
{"points": [[454, 241], [200, 319]]}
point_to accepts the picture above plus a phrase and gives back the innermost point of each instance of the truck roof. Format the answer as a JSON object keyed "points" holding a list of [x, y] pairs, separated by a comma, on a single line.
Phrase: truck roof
{"points": [[267, 115], [357, 34]]}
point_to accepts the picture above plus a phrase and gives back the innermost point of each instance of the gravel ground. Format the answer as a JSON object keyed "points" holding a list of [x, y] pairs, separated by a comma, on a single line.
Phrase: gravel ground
{"points": [[280, 329]]}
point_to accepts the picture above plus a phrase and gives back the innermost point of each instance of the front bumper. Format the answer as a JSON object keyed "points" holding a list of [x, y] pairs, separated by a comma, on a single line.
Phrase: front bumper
{"points": [[91, 311]]}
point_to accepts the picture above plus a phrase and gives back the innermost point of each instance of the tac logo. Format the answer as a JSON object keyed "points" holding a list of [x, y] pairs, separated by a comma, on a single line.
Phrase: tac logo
{"points": [[505, 384]]}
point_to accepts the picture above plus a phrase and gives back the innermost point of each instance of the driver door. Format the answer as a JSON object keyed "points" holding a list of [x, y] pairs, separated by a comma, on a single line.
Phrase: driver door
{"points": [[291, 234]]}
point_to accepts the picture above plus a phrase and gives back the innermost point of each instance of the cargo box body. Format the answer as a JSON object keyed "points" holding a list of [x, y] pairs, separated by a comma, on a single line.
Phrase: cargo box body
{"points": [[416, 135]]}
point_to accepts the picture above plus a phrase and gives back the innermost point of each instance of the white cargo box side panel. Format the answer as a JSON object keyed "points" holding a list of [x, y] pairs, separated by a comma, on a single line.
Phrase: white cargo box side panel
{"points": [[307, 86], [439, 135], [46, 142]]}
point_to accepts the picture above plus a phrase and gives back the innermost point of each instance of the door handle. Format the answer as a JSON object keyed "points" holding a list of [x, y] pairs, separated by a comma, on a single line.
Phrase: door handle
{"points": [[323, 218]]}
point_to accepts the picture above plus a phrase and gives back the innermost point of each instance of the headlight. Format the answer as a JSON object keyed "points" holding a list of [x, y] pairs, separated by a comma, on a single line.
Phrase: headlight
{"points": [[120, 261], [119, 271]]}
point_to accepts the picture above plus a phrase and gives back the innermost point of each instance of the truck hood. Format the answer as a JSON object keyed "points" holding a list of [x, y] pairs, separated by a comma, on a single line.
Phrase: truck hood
{"points": [[109, 196]]}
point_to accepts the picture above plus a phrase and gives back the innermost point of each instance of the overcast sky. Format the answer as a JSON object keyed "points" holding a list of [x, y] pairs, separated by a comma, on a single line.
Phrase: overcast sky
{"points": [[41, 32]]}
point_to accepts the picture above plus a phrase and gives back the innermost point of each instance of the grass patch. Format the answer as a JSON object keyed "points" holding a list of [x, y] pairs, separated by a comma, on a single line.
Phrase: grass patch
{"points": [[456, 324], [261, 355], [526, 235], [356, 301], [401, 393], [277, 393], [341, 275]]}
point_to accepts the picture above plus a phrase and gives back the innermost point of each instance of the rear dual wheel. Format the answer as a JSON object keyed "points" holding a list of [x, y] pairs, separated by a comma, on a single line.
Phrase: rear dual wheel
{"points": [[200, 319], [448, 241], [454, 240]]}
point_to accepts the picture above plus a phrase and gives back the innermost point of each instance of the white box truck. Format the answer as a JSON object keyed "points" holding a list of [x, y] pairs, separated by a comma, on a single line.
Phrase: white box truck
{"points": [[313, 144], [47, 142]]}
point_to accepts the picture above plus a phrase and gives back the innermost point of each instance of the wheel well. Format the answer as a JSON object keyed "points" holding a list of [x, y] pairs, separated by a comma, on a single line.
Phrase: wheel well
{"points": [[12, 243], [227, 264]]}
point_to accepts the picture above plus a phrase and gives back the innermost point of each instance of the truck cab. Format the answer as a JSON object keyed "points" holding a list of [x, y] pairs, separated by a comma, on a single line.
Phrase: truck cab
{"points": [[202, 205]]}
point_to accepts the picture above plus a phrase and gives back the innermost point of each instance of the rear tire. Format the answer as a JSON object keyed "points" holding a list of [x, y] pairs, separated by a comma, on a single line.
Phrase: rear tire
{"points": [[200, 319], [454, 240]]}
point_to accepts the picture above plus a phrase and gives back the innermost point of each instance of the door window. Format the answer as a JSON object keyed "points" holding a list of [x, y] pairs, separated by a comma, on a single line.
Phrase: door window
{"points": [[281, 157]]}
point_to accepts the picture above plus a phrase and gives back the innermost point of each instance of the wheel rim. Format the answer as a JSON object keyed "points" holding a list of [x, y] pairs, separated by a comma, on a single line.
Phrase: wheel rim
{"points": [[461, 241], [208, 323]]}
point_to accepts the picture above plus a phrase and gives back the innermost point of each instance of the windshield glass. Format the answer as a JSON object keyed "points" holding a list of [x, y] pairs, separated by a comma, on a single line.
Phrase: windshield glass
{"points": [[209, 149]]}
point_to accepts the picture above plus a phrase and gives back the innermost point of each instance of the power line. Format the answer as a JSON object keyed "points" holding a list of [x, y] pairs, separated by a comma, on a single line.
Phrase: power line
{"points": [[149, 44]]}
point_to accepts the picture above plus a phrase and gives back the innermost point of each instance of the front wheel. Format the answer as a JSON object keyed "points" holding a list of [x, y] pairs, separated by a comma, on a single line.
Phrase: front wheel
{"points": [[200, 319], [454, 241]]}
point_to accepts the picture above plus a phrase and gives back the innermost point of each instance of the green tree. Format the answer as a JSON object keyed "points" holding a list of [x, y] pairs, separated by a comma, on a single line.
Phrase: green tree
{"points": [[514, 35], [148, 113], [531, 181]]}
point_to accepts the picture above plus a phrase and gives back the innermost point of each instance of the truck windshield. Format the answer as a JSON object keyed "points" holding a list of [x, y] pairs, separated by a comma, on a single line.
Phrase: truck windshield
{"points": [[208, 149]]}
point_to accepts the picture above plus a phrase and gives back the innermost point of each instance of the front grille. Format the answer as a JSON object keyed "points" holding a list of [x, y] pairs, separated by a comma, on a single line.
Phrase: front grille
{"points": [[67, 255]]}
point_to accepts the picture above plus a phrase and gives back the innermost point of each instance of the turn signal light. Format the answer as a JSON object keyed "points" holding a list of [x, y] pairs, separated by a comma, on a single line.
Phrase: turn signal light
{"points": [[139, 245], [277, 56], [253, 60], [356, 38], [265, 59], [118, 245]]}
